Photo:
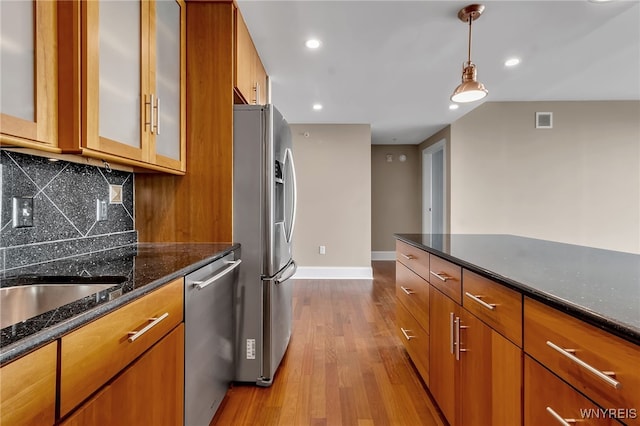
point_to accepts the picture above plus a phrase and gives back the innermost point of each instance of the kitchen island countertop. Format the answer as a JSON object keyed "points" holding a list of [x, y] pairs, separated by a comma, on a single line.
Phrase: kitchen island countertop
{"points": [[146, 266], [601, 287]]}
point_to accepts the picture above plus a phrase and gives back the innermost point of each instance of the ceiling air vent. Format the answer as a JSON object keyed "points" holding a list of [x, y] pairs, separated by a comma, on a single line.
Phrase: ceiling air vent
{"points": [[544, 120]]}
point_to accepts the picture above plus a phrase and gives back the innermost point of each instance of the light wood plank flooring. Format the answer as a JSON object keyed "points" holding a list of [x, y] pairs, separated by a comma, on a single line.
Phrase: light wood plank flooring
{"points": [[345, 364]]}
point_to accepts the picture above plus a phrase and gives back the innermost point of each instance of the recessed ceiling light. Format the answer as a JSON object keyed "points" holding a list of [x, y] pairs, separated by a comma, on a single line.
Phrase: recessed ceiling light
{"points": [[317, 107], [312, 43], [511, 62], [454, 106]]}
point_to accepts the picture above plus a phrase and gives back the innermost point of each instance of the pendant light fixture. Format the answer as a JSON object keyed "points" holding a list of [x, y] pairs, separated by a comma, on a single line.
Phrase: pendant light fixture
{"points": [[470, 89]]}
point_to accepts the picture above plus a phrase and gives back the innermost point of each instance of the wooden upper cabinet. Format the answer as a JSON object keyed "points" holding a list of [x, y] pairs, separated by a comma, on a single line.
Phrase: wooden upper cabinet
{"points": [[29, 90], [250, 78], [133, 78]]}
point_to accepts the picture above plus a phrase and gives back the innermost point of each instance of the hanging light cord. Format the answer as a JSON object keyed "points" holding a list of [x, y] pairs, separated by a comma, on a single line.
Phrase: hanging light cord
{"points": [[470, 21]]}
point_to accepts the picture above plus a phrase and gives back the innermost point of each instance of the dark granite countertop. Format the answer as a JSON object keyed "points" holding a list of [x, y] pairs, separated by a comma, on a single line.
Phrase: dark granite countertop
{"points": [[146, 267], [601, 287]]}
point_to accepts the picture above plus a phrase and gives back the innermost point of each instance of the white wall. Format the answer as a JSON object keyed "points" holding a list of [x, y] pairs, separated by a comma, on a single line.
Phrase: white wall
{"points": [[333, 166], [577, 183]]}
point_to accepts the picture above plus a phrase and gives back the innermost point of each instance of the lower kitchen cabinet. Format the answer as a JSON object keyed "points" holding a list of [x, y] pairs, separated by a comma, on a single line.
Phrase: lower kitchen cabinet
{"points": [[490, 375], [148, 392], [28, 388], [550, 401], [443, 368]]}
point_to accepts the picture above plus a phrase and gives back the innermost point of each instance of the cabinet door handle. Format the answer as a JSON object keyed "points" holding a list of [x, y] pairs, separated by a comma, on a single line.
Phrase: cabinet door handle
{"points": [[559, 418], [603, 375], [149, 121], [440, 276], [490, 306], [451, 336], [133, 335], [407, 256], [257, 90], [157, 115], [406, 334], [407, 290]]}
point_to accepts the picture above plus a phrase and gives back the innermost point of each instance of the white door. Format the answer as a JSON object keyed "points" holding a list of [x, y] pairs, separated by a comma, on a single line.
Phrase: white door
{"points": [[434, 212]]}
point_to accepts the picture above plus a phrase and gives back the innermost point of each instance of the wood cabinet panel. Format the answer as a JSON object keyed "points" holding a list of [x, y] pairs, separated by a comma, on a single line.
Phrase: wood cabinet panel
{"points": [[446, 277], [546, 328], [28, 388], [444, 375], [490, 375], [413, 258], [415, 340], [505, 311], [545, 394], [149, 392], [413, 292], [93, 354]]}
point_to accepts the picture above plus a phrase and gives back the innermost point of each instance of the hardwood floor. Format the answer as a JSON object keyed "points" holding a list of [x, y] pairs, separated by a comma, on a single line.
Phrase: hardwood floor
{"points": [[345, 364]]}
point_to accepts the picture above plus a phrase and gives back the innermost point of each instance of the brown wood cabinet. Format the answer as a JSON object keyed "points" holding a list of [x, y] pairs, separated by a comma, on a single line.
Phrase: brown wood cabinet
{"points": [[250, 79], [131, 73], [444, 374], [148, 392], [446, 277], [93, 354], [28, 388], [549, 401], [29, 110], [603, 367], [490, 374]]}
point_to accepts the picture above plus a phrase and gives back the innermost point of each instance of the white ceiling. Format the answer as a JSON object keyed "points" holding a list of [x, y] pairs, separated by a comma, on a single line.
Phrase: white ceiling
{"points": [[394, 64]]}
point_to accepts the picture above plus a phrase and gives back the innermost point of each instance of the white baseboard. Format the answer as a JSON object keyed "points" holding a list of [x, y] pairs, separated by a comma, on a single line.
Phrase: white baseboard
{"points": [[333, 273], [383, 255]]}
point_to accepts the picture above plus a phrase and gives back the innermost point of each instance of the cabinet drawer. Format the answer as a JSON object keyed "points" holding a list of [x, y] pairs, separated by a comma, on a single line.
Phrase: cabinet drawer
{"points": [[495, 304], [28, 388], [413, 292], [550, 334], [415, 339], [413, 258], [446, 277], [93, 354], [546, 396]]}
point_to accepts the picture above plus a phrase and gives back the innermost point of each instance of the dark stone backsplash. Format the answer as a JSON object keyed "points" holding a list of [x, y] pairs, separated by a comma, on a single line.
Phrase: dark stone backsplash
{"points": [[64, 219]]}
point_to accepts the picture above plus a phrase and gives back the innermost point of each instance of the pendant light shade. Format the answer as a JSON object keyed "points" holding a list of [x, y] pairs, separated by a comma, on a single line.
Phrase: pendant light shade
{"points": [[470, 89]]}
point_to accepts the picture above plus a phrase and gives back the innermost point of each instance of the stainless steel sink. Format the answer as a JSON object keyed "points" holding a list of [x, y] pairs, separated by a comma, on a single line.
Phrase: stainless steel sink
{"points": [[18, 303]]}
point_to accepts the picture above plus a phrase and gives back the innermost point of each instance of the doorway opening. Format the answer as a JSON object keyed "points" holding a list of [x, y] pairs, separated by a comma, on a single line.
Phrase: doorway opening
{"points": [[434, 184]]}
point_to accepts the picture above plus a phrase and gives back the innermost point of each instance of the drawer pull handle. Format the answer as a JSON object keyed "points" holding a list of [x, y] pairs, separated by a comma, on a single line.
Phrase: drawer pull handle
{"points": [[133, 335], [601, 375], [407, 290], [407, 256], [440, 276], [559, 418], [406, 334], [490, 306]]}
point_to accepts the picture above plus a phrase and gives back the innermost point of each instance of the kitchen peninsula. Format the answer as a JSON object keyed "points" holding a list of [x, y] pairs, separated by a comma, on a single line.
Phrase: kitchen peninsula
{"points": [[518, 330]]}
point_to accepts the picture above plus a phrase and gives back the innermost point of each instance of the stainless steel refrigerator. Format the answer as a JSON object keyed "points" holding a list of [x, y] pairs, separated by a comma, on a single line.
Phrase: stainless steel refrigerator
{"points": [[264, 210]]}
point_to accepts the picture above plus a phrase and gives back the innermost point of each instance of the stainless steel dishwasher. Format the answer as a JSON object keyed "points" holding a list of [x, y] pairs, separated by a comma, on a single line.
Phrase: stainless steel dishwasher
{"points": [[209, 337]]}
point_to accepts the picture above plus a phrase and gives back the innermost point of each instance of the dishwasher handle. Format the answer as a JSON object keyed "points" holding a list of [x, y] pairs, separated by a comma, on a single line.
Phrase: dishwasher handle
{"points": [[202, 284]]}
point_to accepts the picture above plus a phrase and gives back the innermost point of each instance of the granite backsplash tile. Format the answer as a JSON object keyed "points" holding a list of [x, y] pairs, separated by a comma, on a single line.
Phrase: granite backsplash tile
{"points": [[65, 198]]}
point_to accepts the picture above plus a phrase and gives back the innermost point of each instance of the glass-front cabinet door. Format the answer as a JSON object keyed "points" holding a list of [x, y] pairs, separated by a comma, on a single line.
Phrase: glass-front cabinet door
{"points": [[133, 69], [167, 56], [28, 65]]}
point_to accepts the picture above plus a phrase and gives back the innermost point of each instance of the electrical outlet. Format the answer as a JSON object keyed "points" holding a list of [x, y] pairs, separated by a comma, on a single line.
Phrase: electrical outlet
{"points": [[323, 250], [101, 210], [22, 212]]}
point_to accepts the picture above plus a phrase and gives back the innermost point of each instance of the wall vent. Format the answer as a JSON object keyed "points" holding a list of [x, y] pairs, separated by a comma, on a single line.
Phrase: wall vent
{"points": [[544, 120]]}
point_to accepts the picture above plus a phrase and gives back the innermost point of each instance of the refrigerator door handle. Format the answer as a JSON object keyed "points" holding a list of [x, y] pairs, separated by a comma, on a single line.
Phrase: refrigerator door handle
{"points": [[286, 273], [289, 156]]}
